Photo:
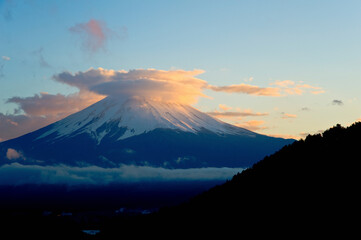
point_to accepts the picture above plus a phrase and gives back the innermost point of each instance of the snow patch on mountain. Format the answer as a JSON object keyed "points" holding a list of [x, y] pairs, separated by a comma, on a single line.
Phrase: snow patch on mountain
{"points": [[135, 116]]}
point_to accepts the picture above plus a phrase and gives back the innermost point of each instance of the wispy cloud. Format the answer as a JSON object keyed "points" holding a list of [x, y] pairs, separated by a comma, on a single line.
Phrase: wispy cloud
{"points": [[337, 102], [40, 56], [2, 64], [277, 89], [57, 106], [286, 136], [236, 113], [42, 109], [15, 125], [288, 115], [231, 114], [17, 174], [305, 109], [247, 89], [224, 107], [6, 8], [252, 125], [94, 34], [2, 70], [250, 79], [288, 87]]}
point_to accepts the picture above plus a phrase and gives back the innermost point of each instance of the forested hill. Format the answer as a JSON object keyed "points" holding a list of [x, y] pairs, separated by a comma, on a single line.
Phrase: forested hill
{"points": [[310, 185]]}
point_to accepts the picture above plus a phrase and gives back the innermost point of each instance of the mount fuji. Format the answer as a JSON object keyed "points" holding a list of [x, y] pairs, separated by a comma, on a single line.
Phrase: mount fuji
{"points": [[137, 131]]}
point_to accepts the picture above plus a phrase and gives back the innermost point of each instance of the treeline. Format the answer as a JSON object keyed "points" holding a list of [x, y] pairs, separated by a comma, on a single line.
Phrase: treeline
{"points": [[310, 186]]}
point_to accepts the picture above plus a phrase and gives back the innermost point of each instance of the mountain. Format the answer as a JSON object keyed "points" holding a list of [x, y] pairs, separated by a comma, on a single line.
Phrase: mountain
{"points": [[138, 131], [308, 188]]}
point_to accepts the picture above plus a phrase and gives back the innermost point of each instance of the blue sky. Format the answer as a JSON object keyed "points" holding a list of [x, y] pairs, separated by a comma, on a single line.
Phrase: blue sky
{"points": [[258, 43]]}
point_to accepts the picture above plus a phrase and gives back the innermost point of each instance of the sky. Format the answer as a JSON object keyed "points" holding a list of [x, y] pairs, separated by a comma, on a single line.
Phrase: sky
{"points": [[280, 68]]}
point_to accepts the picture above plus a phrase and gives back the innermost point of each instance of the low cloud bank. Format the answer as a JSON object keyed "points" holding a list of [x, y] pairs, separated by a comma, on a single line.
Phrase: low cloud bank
{"points": [[19, 174]]}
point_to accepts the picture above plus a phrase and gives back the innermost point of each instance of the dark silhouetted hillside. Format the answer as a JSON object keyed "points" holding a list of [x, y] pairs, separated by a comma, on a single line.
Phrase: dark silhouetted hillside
{"points": [[310, 186], [308, 189]]}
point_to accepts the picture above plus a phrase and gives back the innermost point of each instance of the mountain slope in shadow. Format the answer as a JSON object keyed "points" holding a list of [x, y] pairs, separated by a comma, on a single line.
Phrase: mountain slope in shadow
{"points": [[310, 186]]}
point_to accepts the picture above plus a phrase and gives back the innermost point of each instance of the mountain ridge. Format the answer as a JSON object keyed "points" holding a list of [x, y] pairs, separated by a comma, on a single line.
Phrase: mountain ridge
{"points": [[137, 131], [308, 187], [139, 115]]}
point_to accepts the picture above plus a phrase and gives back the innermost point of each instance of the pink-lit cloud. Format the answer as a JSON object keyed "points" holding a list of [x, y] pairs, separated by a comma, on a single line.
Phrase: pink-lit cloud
{"points": [[12, 125], [224, 107], [94, 34], [44, 108], [58, 105], [179, 86], [173, 86], [288, 115], [288, 87], [12, 154], [233, 114], [236, 113], [247, 89], [41, 110], [252, 125]]}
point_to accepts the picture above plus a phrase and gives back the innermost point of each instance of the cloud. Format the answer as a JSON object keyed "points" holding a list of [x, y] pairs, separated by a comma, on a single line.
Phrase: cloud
{"points": [[280, 89], [225, 113], [14, 125], [12, 154], [44, 108], [288, 87], [18, 174], [175, 85], [250, 79], [318, 92], [224, 107], [58, 105], [284, 84], [2, 71], [39, 54], [252, 125], [231, 114], [247, 89], [286, 136], [178, 86], [5, 58], [337, 102], [6, 7], [288, 115], [94, 34], [41, 110]]}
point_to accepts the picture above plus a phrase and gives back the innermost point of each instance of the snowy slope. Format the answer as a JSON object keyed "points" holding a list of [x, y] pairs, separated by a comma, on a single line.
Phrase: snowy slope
{"points": [[136, 116], [141, 132]]}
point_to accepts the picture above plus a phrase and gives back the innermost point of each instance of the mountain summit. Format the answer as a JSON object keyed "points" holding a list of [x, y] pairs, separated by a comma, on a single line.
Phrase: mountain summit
{"points": [[138, 131], [119, 119]]}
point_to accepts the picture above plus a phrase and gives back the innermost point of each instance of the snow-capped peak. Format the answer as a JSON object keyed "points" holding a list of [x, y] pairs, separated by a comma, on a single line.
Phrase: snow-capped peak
{"points": [[134, 116]]}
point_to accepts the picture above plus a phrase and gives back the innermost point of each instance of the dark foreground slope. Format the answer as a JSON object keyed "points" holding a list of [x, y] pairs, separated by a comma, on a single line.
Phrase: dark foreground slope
{"points": [[307, 187]]}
